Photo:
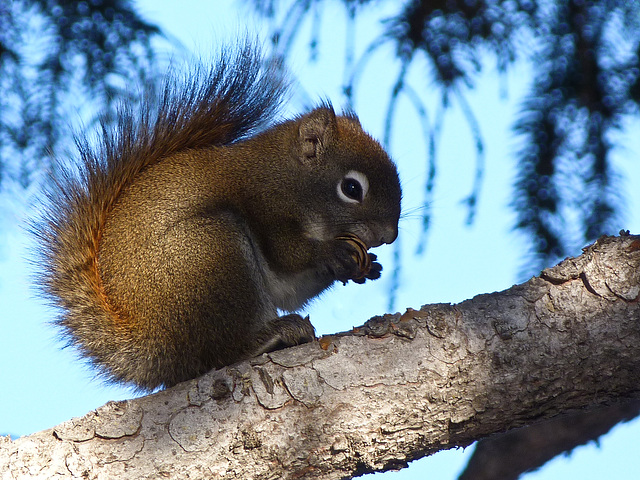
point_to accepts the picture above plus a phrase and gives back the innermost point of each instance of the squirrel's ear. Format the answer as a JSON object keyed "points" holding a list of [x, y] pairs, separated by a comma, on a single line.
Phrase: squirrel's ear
{"points": [[315, 131]]}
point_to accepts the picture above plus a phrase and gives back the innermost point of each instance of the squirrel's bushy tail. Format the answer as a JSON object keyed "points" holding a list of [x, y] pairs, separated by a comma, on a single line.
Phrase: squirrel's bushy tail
{"points": [[236, 97]]}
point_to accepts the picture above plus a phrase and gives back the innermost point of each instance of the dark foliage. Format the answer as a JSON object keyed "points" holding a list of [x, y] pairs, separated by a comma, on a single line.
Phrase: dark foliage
{"points": [[586, 72], [53, 53]]}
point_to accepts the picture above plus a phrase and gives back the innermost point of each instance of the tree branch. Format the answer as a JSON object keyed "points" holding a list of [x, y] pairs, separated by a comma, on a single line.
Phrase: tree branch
{"points": [[397, 389], [522, 450]]}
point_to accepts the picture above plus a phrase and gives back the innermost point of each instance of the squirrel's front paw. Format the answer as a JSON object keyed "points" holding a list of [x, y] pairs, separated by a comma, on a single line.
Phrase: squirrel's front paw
{"points": [[353, 262], [374, 270]]}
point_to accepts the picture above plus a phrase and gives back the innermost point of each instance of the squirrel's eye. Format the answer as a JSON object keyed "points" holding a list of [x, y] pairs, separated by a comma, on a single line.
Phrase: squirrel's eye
{"points": [[353, 187]]}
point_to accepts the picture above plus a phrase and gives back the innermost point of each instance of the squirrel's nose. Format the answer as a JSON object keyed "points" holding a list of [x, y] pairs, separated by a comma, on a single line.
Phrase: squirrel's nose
{"points": [[386, 235], [389, 234]]}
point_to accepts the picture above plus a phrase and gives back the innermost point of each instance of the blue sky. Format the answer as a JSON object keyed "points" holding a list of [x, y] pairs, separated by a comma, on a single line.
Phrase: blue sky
{"points": [[42, 385]]}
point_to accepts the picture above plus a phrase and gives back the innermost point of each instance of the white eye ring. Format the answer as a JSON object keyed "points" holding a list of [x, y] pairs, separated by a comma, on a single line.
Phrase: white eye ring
{"points": [[353, 187]]}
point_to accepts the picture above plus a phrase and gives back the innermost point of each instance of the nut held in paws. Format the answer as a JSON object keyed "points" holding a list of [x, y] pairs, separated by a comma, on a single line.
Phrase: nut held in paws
{"points": [[361, 255]]}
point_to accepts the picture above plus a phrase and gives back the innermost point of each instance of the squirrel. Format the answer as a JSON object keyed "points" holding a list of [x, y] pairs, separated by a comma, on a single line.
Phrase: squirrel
{"points": [[171, 248]]}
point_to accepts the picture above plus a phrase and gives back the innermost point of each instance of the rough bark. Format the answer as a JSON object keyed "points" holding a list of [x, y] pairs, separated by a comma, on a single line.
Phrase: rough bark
{"points": [[399, 388]]}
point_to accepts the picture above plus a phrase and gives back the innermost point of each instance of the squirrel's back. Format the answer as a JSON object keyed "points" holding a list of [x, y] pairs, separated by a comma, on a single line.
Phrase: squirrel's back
{"points": [[235, 98]]}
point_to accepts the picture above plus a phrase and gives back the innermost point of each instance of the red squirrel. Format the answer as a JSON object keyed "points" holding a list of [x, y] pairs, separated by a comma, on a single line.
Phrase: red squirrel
{"points": [[193, 221]]}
